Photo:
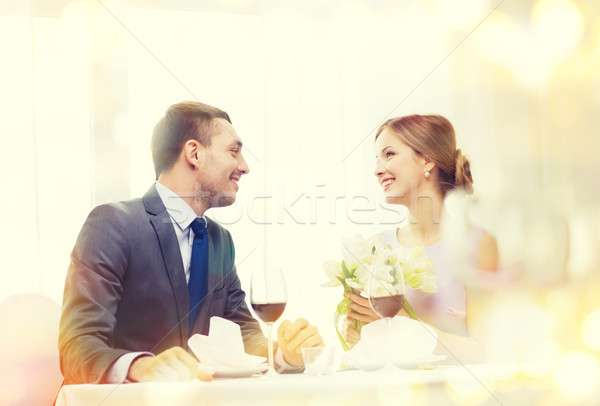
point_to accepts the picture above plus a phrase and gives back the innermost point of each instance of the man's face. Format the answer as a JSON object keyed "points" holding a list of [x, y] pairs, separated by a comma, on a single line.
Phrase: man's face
{"points": [[222, 166]]}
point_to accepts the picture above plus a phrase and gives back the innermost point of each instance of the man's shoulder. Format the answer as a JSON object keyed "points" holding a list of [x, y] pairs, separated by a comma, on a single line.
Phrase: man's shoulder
{"points": [[128, 205], [124, 207], [118, 214], [110, 223], [150, 203]]}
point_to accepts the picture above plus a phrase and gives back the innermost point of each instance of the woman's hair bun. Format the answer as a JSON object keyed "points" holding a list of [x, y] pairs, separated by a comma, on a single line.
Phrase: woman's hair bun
{"points": [[462, 177]]}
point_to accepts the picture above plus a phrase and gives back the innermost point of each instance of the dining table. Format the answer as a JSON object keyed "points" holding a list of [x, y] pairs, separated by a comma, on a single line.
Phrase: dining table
{"points": [[473, 384]]}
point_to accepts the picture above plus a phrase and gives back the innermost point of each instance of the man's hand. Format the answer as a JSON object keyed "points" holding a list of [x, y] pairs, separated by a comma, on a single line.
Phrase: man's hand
{"points": [[293, 337], [174, 364]]}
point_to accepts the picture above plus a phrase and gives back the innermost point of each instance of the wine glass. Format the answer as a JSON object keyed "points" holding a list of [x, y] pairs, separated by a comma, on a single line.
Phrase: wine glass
{"points": [[268, 298], [386, 299]]}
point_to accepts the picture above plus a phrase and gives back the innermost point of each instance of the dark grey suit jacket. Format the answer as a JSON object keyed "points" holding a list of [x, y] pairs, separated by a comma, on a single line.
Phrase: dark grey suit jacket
{"points": [[126, 290]]}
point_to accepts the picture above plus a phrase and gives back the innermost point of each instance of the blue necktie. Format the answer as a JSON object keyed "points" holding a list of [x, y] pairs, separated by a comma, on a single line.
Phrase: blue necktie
{"points": [[197, 285]]}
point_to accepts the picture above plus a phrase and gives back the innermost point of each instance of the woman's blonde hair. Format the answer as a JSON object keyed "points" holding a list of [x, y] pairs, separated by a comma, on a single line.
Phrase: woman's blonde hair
{"points": [[433, 136]]}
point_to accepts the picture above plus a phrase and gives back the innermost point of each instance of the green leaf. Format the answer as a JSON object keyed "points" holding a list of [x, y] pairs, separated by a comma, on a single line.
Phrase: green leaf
{"points": [[410, 310], [347, 273], [342, 308]]}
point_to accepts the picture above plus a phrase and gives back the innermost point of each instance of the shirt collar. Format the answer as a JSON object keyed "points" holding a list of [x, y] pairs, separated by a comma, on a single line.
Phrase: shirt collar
{"points": [[181, 213]]}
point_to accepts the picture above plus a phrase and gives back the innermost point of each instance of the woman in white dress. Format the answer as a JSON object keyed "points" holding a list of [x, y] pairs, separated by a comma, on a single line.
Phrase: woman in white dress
{"points": [[417, 165]]}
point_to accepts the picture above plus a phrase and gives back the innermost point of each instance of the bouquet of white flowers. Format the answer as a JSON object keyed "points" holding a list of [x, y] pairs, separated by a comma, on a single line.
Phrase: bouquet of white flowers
{"points": [[365, 257]]}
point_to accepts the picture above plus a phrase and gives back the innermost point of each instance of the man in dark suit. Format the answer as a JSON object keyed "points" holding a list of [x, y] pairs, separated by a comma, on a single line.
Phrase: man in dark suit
{"points": [[126, 301]]}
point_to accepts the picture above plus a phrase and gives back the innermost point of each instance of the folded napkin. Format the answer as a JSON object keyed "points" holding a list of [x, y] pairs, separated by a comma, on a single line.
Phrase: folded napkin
{"points": [[411, 343], [223, 348]]}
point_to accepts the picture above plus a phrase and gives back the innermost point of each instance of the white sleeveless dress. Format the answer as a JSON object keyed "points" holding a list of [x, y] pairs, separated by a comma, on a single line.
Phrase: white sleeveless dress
{"points": [[446, 309]]}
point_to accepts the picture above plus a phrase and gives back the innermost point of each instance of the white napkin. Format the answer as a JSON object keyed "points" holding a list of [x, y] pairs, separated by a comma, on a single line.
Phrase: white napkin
{"points": [[223, 348], [412, 342]]}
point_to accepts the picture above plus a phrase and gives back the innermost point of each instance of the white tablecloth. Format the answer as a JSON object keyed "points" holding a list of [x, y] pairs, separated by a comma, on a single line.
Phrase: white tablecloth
{"points": [[472, 385]]}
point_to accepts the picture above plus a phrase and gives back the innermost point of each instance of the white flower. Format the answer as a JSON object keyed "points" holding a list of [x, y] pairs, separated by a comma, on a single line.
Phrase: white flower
{"points": [[365, 257], [380, 288], [356, 251], [362, 274], [376, 242], [382, 273], [382, 253], [360, 277], [354, 284], [333, 271], [418, 270]]}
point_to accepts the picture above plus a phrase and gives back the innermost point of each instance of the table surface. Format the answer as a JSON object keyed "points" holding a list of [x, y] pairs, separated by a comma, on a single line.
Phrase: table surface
{"points": [[449, 385]]}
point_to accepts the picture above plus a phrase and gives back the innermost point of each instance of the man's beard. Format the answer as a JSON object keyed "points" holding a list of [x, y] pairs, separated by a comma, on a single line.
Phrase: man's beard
{"points": [[209, 198]]}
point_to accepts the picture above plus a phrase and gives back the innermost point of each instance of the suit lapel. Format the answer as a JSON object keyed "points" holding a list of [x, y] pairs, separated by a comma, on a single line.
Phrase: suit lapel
{"points": [[161, 221]]}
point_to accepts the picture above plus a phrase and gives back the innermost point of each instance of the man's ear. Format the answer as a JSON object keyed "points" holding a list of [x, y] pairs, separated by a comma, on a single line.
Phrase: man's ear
{"points": [[193, 153]]}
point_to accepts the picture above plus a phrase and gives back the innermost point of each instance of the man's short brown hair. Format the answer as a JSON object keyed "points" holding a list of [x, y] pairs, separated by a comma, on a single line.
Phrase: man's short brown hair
{"points": [[182, 122]]}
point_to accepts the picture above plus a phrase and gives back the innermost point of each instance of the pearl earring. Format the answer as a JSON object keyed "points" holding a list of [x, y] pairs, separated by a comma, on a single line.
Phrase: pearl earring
{"points": [[427, 174]]}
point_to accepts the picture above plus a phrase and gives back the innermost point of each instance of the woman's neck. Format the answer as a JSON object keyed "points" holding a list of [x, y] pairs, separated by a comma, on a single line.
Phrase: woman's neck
{"points": [[424, 225]]}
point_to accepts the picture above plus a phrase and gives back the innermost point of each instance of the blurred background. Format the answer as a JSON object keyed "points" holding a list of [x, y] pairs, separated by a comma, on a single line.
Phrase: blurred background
{"points": [[306, 85]]}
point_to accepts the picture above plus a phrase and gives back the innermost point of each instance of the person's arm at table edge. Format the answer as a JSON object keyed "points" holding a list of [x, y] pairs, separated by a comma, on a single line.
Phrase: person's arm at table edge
{"points": [[92, 289]]}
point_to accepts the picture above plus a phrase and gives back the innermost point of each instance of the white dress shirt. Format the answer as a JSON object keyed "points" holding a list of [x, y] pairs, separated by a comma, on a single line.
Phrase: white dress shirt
{"points": [[182, 216]]}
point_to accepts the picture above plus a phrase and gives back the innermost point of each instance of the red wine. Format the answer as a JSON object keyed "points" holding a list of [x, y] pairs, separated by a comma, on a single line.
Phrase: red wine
{"points": [[269, 312], [387, 306]]}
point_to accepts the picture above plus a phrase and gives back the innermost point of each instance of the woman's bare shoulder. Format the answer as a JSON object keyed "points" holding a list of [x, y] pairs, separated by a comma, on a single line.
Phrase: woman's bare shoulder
{"points": [[487, 257]]}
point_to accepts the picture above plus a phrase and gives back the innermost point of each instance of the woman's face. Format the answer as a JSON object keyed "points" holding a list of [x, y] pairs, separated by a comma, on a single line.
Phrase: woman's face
{"points": [[400, 170]]}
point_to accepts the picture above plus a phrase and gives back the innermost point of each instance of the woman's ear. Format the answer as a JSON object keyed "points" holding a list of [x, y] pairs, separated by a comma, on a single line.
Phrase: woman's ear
{"points": [[429, 164]]}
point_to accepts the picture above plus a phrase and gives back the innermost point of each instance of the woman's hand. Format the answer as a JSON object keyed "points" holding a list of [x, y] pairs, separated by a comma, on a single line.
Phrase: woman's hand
{"points": [[361, 308], [349, 333]]}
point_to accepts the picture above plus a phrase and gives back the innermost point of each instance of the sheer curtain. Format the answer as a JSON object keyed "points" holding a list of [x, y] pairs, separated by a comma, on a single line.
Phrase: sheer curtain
{"points": [[47, 159]]}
